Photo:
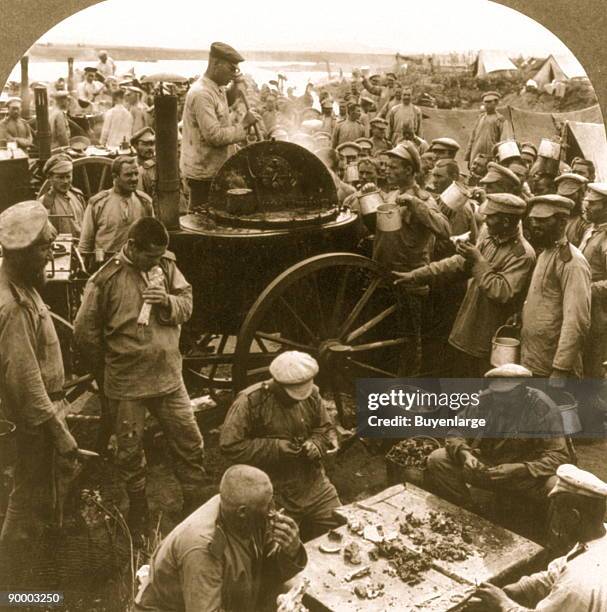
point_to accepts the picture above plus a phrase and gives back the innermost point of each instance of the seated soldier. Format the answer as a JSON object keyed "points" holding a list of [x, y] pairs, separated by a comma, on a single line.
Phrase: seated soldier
{"points": [[225, 555], [504, 456]]}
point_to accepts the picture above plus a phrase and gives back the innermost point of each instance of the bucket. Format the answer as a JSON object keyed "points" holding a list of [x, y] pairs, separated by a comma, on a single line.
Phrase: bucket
{"points": [[388, 218], [507, 149], [567, 406], [351, 173], [369, 203], [505, 348], [550, 149], [240, 202], [455, 196], [399, 471]]}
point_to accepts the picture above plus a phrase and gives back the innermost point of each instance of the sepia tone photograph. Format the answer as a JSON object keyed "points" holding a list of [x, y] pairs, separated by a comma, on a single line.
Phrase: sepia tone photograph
{"points": [[302, 307]]}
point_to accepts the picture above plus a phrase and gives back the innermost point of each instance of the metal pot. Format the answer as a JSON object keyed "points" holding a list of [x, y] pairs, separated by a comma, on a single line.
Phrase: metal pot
{"points": [[351, 173], [504, 348], [388, 218], [549, 148], [240, 202], [506, 149], [369, 203], [455, 196]]}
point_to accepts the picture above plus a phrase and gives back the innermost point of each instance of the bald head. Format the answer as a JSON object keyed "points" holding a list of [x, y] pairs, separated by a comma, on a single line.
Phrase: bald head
{"points": [[244, 485]]}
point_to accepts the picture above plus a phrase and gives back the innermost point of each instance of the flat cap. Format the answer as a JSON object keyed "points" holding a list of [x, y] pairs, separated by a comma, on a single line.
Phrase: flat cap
{"points": [[445, 143], [570, 479], [550, 204], [90, 69], [295, 371], [348, 148], [366, 98], [506, 377], [21, 224], [139, 134], [379, 121], [496, 172], [569, 182], [220, 50], [491, 95], [352, 104], [406, 150], [59, 163], [596, 191], [529, 147], [503, 203], [13, 100], [80, 143], [365, 143], [322, 135]]}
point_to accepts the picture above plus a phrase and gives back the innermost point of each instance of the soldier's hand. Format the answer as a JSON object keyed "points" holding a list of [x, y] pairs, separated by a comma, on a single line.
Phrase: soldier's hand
{"points": [[156, 295], [407, 278], [251, 118], [311, 450], [471, 462], [558, 379], [493, 597], [506, 471], [286, 533], [286, 447], [468, 251]]}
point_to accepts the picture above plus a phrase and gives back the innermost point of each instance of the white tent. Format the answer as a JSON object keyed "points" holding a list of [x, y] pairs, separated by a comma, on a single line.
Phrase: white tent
{"points": [[591, 140], [559, 68], [488, 62]]}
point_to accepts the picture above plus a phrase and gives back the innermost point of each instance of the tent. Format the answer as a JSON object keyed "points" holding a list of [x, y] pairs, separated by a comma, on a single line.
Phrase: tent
{"points": [[489, 62], [589, 141], [559, 68]]}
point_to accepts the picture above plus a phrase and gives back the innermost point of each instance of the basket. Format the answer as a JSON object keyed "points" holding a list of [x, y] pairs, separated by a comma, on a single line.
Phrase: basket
{"points": [[398, 472]]}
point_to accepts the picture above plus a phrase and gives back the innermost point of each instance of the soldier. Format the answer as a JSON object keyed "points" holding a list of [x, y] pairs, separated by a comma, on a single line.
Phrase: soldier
{"points": [[378, 135], [528, 153], [575, 581], [573, 186], [478, 169], [404, 115], [14, 128], [444, 148], [585, 167], [31, 371], [500, 180], [350, 128], [141, 361], [328, 117], [556, 313], [63, 199], [489, 128], [281, 427], [58, 122], [144, 142], [409, 247], [111, 212], [499, 267]]}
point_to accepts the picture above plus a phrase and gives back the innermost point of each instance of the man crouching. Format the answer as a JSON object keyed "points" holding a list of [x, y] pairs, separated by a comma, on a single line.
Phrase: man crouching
{"points": [[221, 556]]}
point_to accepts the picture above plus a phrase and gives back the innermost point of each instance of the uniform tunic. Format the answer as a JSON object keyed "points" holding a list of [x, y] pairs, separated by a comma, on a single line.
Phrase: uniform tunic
{"points": [[347, 131], [255, 424], [403, 116], [60, 128], [556, 313], [594, 249], [108, 217], [72, 203], [208, 134], [487, 132], [202, 567], [17, 129], [574, 582], [117, 127]]}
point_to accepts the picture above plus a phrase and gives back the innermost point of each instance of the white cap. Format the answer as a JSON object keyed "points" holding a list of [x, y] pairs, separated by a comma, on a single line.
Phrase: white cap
{"points": [[506, 377], [295, 371], [579, 482]]}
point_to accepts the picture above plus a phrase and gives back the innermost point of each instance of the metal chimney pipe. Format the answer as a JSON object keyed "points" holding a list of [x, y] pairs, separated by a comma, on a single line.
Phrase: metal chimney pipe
{"points": [[42, 125], [25, 90]]}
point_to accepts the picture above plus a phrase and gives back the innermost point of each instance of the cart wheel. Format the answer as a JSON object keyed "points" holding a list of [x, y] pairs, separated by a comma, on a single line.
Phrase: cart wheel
{"points": [[338, 307]]}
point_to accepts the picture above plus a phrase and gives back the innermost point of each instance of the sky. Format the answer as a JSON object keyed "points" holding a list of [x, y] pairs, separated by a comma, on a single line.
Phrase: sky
{"points": [[406, 26]]}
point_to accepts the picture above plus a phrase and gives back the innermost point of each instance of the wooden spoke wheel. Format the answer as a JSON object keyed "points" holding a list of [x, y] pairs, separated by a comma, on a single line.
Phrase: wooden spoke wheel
{"points": [[91, 175], [340, 308]]}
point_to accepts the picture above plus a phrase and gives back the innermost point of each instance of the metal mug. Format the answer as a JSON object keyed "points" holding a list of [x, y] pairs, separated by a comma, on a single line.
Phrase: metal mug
{"points": [[388, 218], [455, 196]]}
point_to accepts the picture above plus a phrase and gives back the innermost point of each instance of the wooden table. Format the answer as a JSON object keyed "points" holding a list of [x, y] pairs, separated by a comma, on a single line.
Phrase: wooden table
{"points": [[497, 553]]}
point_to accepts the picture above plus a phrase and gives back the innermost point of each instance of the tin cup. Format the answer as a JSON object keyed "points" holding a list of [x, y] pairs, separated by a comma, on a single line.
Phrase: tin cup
{"points": [[351, 173], [388, 218], [507, 149], [369, 203], [455, 196], [549, 149]]}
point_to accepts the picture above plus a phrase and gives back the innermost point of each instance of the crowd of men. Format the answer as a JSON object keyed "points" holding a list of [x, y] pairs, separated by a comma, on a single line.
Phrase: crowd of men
{"points": [[522, 238]]}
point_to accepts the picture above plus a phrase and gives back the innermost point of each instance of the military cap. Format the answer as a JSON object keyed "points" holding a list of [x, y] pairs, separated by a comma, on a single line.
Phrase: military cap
{"points": [[496, 172], [570, 479], [392, 74], [503, 203], [61, 162], [550, 204], [102, 52], [528, 147], [348, 148], [365, 143], [273, 82], [368, 100], [61, 93], [491, 95], [22, 224], [379, 121], [90, 69], [222, 51], [569, 182], [406, 150], [506, 377], [321, 135], [596, 192], [295, 371], [352, 104], [139, 134], [581, 160], [13, 100], [327, 103], [80, 143], [445, 143]]}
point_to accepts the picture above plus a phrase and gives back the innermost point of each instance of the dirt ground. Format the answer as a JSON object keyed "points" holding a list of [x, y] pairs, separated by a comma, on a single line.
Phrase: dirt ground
{"points": [[90, 559]]}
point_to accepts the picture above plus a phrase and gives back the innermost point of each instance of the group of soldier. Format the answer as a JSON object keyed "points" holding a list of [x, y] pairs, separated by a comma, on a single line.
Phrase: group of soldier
{"points": [[532, 248]]}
